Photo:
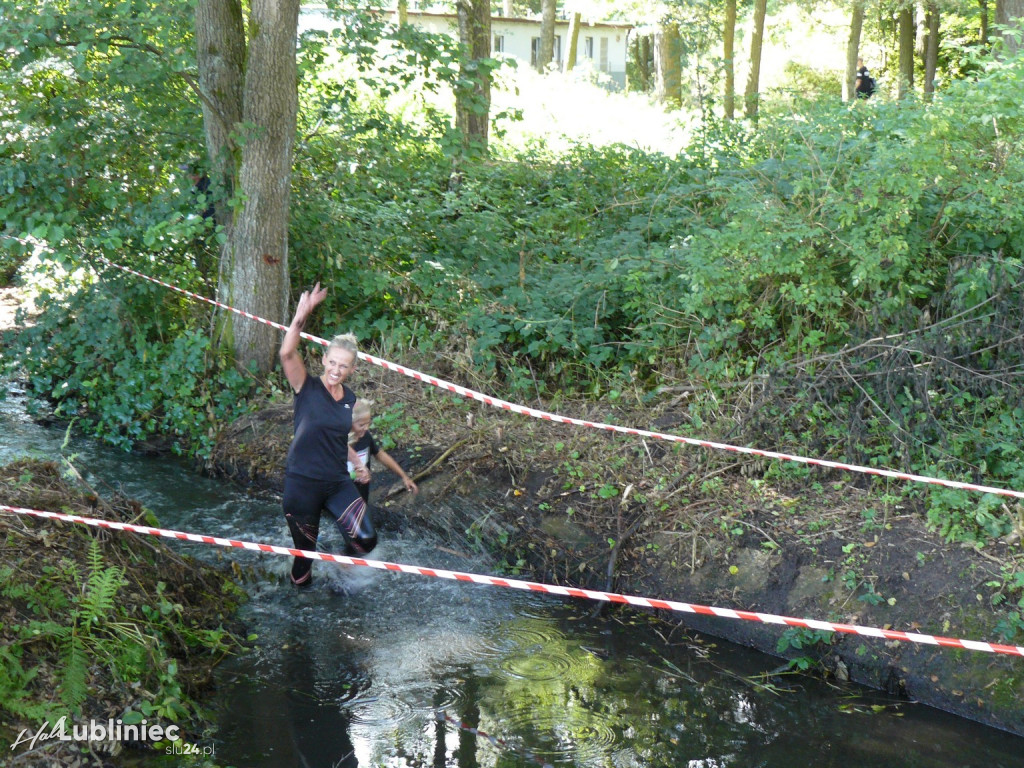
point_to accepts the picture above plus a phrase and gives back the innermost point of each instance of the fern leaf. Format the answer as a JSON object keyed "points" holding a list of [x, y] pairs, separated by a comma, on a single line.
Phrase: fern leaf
{"points": [[73, 675]]}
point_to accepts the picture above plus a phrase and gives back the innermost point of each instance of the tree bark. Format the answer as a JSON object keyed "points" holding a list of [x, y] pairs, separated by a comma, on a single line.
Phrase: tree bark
{"points": [[547, 34], [220, 55], [906, 51], [853, 49], [729, 56], [403, 12], [574, 39], [931, 46], [750, 96], [249, 88], [646, 59], [668, 62], [983, 22], [1010, 13], [473, 101]]}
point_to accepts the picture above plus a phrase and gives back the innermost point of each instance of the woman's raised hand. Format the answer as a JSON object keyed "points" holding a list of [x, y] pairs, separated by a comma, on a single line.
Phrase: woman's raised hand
{"points": [[308, 302]]}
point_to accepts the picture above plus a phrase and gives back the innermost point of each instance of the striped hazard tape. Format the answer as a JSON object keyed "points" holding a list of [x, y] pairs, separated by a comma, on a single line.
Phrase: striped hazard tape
{"points": [[546, 416], [533, 586]]}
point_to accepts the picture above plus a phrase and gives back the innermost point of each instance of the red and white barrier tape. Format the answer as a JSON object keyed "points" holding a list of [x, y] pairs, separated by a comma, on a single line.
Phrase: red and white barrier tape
{"points": [[533, 586], [538, 414]]}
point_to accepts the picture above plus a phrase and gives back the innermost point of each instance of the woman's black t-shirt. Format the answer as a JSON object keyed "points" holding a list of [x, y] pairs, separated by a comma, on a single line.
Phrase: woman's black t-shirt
{"points": [[319, 448]]}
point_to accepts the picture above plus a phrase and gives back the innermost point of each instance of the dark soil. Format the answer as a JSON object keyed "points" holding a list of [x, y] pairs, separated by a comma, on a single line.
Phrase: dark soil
{"points": [[581, 507]]}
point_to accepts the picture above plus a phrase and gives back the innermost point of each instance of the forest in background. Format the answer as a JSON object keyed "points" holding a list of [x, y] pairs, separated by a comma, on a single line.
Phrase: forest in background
{"points": [[835, 278]]}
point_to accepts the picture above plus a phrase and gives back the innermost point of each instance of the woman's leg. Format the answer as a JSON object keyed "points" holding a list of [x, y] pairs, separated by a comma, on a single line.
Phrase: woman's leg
{"points": [[352, 517], [303, 501], [364, 491]]}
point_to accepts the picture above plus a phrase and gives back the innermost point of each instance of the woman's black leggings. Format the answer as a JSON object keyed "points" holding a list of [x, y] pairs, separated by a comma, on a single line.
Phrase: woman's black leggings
{"points": [[304, 501]]}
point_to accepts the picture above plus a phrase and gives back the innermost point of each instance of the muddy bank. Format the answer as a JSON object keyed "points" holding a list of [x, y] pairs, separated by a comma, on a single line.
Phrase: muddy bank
{"points": [[586, 508], [99, 627]]}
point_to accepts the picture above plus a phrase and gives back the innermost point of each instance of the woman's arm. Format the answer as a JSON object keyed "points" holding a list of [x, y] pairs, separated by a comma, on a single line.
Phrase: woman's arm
{"points": [[384, 458], [291, 360]]}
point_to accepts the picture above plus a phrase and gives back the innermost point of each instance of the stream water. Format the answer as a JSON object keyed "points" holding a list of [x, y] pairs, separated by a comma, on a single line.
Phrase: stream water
{"points": [[371, 668]]}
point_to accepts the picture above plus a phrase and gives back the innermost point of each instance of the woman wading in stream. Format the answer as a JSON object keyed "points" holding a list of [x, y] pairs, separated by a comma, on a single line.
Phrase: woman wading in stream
{"points": [[316, 475]]}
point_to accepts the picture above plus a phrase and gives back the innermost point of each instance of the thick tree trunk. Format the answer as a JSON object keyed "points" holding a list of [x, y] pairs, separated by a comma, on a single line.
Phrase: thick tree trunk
{"points": [[403, 12], [729, 56], [931, 46], [574, 39], [257, 252], [220, 54], [1010, 14], [853, 49], [255, 88], [547, 34], [668, 62], [907, 39], [983, 22], [750, 95], [473, 101]]}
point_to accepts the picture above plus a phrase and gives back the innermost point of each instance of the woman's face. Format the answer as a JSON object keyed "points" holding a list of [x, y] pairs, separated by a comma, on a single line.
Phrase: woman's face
{"points": [[338, 364], [359, 426]]}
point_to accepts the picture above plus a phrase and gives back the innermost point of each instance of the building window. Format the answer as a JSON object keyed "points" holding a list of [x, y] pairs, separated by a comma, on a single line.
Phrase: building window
{"points": [[556, 54], [588, 47], [499, 44]]}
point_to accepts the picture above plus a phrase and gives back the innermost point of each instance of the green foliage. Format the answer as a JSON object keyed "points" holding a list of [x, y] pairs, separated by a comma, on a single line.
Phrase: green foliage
{"points": [[800, 639], [130, 363], [96, 636], [393, 427], [861, 263]]}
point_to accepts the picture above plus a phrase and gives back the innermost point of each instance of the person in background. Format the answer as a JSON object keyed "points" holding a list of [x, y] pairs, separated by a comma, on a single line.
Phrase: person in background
{"points": [[361, 439], [317, 472], [865, 85]]}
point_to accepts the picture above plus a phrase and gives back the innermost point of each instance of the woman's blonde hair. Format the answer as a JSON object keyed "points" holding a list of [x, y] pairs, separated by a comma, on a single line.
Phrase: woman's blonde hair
{"points": [[346, 341]]}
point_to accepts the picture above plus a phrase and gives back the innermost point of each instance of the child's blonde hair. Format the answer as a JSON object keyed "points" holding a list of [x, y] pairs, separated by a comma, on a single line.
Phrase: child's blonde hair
{"points": [[362, 409]]}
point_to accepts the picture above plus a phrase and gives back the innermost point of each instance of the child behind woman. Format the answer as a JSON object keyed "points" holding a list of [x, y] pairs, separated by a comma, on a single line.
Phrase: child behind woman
{"points": [[361, 440]]}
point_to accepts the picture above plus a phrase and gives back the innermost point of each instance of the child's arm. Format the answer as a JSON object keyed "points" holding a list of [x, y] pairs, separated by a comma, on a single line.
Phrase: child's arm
{"points": [[387, 461], [362, 471]]}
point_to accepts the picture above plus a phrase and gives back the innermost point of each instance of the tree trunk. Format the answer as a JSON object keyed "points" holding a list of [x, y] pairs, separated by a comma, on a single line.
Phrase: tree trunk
{"points": [[1010, 13], [729, 56], [255, 88], [931, 46], [473, 100], [668, 63], [403, 12], [647, 61], [853, 49], [983, 22], [547, 34], [907, 39], [574, 38], [220, 55], [750, 96]]}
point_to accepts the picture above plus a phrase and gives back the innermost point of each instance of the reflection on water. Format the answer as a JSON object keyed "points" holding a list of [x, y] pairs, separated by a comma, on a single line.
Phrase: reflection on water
{"points": [[354, 671]]}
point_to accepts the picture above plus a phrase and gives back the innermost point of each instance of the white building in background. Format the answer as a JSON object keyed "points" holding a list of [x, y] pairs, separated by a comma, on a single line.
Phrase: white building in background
{"points": [[601, 46]]}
